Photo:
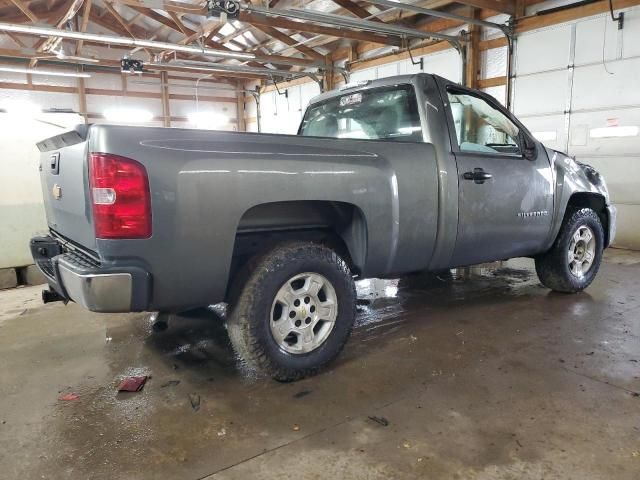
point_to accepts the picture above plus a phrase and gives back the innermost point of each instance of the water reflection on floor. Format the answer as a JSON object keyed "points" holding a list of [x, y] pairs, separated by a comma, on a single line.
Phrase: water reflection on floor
{"points": [[384, 303]]}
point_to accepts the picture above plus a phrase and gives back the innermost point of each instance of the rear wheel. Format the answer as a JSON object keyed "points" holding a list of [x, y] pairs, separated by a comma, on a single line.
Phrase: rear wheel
{"points": [[573, 261], [292, 310]]}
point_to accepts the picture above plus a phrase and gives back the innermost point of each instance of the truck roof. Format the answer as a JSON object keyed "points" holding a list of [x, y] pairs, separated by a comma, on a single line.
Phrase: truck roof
{"points": [[368, 84]]}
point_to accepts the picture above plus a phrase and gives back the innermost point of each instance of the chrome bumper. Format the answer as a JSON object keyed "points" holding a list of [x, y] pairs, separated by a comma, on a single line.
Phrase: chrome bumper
{"points": [[612, 214], [103, 292], [76, 276]]}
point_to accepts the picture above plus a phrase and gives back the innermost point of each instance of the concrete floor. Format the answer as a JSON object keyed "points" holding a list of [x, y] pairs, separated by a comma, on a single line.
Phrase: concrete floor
{"points": [[479, 376]]}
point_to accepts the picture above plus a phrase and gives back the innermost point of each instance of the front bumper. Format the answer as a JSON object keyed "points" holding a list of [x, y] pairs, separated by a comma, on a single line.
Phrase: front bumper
{"points": [[612, 218], [76, 276]]}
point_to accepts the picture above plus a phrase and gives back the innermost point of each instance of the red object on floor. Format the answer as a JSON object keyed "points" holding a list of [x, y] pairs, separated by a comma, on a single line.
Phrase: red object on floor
{"points": [[132, 384], [67, 397]]}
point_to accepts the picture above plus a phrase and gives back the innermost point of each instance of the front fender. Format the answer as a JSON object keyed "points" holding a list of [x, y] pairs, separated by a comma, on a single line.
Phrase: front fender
{"points": [[571, 178]]}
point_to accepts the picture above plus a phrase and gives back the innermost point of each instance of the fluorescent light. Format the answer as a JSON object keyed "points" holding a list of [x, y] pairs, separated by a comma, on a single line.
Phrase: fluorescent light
{"points": [[208, 120], [21, 108], [53, 73], [127, 115], [609, 132], [114, 40], [546, 136]]}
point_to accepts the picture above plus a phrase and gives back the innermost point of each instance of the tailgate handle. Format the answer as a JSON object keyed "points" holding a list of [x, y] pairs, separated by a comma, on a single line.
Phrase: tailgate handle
{"points": [[54, 161]]}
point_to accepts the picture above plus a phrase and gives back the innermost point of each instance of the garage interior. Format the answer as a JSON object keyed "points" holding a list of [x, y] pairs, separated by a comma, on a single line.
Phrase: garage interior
{"points": [[474, 373]]}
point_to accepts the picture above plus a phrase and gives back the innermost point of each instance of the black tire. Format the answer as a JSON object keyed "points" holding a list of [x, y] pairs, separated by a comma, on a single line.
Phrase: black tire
{"points": [[252, 297], [553, 267]]}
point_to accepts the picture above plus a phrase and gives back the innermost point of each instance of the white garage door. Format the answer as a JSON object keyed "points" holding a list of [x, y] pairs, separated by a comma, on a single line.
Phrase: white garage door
{"points": [[578, 103]]}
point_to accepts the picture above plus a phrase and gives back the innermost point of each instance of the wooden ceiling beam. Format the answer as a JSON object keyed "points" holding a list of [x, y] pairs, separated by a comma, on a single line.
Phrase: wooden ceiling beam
{"points": [[178, 21], [50, 43], [120, 19], [501, 6], [287, 40], [25, 10], [212, 43], [100, 18], [170, 6], [356, 9], [85, 21], [279, 22], [14, 38]]}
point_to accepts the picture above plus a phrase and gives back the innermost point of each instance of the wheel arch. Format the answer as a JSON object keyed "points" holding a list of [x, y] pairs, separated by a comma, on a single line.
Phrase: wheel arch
{"points": [[340, 225], [595, 202]]}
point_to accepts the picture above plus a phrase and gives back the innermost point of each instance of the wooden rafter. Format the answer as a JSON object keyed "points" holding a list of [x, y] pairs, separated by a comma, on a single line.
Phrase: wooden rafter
{"points": [[15, 39], [25, 10], [85, 21], [208, 31], [356, 9], [119, 18], [178, 21], [502, 6], [286, 39], [259, 19], [279, 22], [50, 43], [212, 43]]}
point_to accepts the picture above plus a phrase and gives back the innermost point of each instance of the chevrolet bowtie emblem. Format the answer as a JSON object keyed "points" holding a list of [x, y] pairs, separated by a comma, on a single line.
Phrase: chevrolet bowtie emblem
{"points": [[57, 191]]}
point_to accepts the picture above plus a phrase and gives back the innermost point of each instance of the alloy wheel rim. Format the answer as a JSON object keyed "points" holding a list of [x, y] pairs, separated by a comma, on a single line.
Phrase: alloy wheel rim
{"points": [[582, 251], [303, 313]]}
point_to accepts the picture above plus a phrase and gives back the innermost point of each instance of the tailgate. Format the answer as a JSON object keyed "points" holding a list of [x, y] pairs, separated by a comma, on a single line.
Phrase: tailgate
{"points": [[65, 185]]}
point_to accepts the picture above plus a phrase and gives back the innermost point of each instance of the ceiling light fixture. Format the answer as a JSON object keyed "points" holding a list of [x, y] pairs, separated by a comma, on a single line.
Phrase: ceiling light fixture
{"points": [[52, 73], [114, 40]]}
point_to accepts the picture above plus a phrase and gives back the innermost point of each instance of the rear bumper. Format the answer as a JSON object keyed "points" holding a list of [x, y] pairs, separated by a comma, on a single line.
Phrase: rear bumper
{"points": [[612, 218], [76, 276]]}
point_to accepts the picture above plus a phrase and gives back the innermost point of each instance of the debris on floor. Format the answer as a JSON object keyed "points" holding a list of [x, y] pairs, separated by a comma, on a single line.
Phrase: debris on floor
{"points": [[379, 420], [170, 383], [194, 399], [132, 384], [301, 393], [295, 427], [68, 397]]}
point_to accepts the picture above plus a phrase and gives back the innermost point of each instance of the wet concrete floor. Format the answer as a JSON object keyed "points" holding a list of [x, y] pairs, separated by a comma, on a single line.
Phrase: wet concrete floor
{"points": [[480, 375]]}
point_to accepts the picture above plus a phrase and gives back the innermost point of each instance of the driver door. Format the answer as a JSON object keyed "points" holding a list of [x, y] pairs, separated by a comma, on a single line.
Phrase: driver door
{"points": [[505, 197]]}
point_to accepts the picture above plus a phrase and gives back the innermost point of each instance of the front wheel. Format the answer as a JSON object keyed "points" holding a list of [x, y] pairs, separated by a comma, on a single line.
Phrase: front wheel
{"points": [[573, 262], [292, 310]]}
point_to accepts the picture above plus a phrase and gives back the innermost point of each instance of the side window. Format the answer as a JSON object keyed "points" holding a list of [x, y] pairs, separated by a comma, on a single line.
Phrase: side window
{"points": [[480, 127]]}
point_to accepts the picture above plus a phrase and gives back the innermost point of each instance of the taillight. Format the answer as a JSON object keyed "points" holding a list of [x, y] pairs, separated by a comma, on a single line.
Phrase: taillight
{"points": [[120, 197]]}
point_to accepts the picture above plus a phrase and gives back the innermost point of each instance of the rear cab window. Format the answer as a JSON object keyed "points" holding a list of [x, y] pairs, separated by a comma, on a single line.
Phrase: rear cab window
{"points": [[386, 113]]}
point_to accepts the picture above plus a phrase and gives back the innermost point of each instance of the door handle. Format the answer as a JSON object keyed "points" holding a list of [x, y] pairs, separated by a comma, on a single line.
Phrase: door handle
{"points": [[478, 175]]}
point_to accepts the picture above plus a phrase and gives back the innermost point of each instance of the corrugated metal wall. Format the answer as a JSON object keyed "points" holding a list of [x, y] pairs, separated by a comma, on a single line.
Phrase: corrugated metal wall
{"points": [[576, 84]]}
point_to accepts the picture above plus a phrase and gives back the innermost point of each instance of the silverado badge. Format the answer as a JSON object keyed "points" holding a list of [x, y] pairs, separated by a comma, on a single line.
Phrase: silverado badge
{"points": [[57, 191]]}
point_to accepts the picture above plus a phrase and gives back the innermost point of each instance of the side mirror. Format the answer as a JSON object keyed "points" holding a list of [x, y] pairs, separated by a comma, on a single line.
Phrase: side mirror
{"points": [[530, 148]]}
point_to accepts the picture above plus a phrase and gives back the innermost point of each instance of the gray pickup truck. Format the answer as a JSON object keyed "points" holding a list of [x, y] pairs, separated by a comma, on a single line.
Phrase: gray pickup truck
{"points": [[399, 175]]}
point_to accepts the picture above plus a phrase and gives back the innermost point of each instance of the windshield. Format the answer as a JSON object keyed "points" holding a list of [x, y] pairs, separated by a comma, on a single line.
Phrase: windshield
{"points": [[389, 113]]}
